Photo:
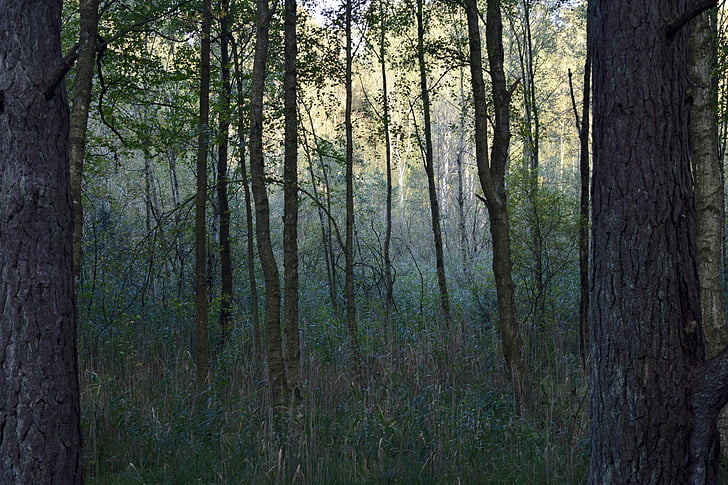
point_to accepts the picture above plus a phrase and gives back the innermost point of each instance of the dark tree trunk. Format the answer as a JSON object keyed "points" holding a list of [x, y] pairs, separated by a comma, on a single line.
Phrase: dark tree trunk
{"points": [[250, 246], [290, 194], [40, 432], [226, 265], [492, 180], [201, 343], [388, 279], [349, 237], [273, 343], [430, 169], [654, 401], [89, 12]]}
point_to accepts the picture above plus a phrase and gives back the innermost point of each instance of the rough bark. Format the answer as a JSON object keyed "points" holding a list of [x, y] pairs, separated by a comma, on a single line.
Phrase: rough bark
{"points": [[491, 172], [273, 343], [351, 321], [654, 401], [89, 12], [203, 141], [290, 194], [226, 265], [40, 432], [430, 169]]}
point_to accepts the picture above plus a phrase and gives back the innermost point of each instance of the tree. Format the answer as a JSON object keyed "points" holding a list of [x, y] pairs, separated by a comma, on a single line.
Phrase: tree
{"points": [[201, 343], [351, 321], [491, 172], [430, 167], [226, 266], [89, 13], [40, 432], [290, 194], [274, 351], [655, 399]]}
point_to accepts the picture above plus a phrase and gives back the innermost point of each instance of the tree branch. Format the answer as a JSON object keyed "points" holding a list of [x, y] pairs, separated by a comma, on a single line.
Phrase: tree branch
{"points": [[680, 22]]}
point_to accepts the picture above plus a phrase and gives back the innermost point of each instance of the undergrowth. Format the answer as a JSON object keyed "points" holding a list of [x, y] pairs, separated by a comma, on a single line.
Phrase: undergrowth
{"points": [[424, 413]]}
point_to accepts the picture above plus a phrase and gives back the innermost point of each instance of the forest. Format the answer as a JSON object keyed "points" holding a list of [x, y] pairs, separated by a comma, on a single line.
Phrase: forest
{"points": [[366, 241]]}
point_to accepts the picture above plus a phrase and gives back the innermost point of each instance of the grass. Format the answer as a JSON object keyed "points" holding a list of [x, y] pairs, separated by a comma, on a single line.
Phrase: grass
{"points": [[419, 414]]}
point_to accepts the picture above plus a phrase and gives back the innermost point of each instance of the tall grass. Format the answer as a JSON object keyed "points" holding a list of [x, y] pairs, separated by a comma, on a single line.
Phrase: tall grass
{"points": [[422, 413]]}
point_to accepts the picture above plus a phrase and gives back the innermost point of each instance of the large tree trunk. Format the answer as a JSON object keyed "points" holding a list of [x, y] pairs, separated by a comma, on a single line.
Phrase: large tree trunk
{"points": [[201, 343], [430, 169], [273, 344], [226, 265], [654, 401], [492, 180], [40, 431], [89, 12], [290, 194]]}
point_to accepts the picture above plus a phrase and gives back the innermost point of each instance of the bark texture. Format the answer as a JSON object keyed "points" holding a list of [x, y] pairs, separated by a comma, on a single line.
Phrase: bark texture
{"points": [[708, 180], [654, 404], [40, 433]]}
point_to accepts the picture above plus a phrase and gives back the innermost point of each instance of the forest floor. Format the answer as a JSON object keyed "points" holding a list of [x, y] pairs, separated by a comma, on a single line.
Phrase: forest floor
{"points": [[420, 414]]}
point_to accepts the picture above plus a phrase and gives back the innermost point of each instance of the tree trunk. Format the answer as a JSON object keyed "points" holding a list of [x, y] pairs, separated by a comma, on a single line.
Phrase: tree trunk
{"points": [[654, 401], [430, 169], [273, 343], [492, 180], [388, 280], [226, 265], [351, 321], [40, 431], [89, 13], [584, 204], [290, 194], [708, 178], [201, 343], [254, 310]]}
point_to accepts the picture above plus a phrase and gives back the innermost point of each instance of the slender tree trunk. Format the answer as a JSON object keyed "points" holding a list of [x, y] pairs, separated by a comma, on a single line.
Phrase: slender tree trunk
{"points": [[226, 266], [326, 223], [273, 341], [531, 158], [349, 238], [389, 284], [492, 180], [40, 430], [290, 194], [201, 343], [430, 169], [254, 304], [583, 128], [89, 13]]}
